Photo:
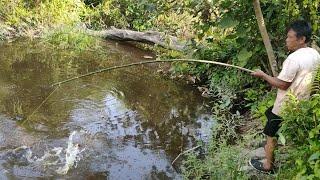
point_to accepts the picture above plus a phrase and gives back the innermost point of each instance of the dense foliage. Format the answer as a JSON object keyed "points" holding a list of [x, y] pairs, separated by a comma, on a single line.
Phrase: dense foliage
{"points": [[301, 130]]}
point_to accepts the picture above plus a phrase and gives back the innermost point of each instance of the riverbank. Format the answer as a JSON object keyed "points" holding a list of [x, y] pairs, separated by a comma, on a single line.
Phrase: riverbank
{"points": [[6, 32], [296, 157]]}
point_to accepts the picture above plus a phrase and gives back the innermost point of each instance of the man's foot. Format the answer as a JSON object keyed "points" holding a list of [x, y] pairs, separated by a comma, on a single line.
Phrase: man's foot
{"points": [[256, 164]]}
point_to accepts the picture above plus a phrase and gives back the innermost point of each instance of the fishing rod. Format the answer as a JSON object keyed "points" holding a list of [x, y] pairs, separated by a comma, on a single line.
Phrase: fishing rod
{"points": [[151, 62], [58, 84]]}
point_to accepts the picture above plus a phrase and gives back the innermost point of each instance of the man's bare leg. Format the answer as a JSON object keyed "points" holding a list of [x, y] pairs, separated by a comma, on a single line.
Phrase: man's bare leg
{"points": [[269, 149]]}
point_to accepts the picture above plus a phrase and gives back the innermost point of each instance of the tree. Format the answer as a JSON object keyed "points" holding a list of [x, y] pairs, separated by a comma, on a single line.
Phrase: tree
{"points": [[265, 37]]}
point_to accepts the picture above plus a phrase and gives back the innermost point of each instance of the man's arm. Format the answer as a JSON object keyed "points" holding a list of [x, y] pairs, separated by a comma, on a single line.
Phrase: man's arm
{"points": [[273, 81]]}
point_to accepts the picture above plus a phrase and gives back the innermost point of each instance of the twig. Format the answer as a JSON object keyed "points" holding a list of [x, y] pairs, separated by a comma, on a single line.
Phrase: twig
{"points": [[184, 152], [150, 62]]}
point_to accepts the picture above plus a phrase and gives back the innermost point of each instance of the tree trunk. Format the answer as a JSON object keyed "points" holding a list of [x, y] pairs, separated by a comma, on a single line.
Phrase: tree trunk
{"points": [[265, 37], [151, 37]]}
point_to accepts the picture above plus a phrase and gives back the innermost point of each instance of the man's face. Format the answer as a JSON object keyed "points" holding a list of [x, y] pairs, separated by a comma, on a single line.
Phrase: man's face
{"points": [[293, 42]]}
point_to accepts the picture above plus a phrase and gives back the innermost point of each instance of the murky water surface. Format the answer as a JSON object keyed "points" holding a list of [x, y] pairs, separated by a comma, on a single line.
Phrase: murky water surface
{"points": [[125, 124]]}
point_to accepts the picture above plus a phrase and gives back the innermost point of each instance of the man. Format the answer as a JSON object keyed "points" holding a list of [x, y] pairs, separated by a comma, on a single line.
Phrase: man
{"points": [[295, 77]]}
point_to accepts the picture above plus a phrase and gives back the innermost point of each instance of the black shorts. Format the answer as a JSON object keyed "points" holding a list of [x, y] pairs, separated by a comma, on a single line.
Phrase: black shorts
{"points": [[273, 124]]}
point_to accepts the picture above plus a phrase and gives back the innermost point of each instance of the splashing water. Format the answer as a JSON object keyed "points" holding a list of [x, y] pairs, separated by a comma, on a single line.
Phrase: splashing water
{"points": [[72, 157], [55, 157], [51, 157]]}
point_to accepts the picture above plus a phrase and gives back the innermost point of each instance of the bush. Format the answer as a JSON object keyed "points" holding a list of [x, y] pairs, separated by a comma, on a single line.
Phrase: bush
{"points": [[301, 130], [22, 13], [224, 162]]}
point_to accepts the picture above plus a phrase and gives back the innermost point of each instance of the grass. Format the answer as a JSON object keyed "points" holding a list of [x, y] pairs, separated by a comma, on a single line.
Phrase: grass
{"points": [[71, 39], [224, 162]]}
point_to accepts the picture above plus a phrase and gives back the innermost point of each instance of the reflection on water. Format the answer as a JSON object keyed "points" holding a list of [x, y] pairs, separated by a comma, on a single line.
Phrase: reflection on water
{"points": [[134, 122]]}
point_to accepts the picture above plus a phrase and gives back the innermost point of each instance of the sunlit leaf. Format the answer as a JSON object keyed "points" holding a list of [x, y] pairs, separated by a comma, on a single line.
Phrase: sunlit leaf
{"points": [[282, 139], [244, 56], [228, 22], [314, 156]]}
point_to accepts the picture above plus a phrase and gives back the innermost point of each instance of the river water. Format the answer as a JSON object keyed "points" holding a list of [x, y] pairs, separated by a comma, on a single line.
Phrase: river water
{"points": [[124, 124]]}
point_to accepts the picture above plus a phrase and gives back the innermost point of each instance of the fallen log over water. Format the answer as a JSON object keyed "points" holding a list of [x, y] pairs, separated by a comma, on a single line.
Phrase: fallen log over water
{"points": [[150, 37]]}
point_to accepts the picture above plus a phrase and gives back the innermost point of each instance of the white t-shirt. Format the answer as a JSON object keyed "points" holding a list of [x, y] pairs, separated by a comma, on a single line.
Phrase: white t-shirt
{"points": [[299, 68]]}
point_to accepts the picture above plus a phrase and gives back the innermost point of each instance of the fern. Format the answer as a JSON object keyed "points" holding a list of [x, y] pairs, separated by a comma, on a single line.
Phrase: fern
{"points": [[316, 83]]}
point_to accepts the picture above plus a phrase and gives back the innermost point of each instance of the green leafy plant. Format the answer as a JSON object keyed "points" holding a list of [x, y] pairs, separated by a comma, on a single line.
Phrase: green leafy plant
{"points": [[301, 130], [223, 162], [71, 39]]}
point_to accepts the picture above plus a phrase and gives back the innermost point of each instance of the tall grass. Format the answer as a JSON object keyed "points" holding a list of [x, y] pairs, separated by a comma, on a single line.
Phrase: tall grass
{"points": [[53, 20], [33, 13], [70, 38]]}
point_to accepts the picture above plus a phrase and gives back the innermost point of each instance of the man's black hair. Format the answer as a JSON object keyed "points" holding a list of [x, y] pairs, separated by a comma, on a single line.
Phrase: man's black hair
{"points": [[302, 28]]}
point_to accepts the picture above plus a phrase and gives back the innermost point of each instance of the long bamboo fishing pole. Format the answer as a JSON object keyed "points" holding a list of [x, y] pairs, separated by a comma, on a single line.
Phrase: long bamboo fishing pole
{"points": [[129, 65], [150, 62]]}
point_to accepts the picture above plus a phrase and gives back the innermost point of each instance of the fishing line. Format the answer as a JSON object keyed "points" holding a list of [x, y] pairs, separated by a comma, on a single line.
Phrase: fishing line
{"points": [[35, 110]]}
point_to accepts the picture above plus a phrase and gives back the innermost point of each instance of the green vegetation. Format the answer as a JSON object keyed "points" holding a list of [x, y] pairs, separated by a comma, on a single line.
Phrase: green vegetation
{"points": [[38, 18], [301, 131], [71, 39], [24, 15], [226, 162], [224, 31]]}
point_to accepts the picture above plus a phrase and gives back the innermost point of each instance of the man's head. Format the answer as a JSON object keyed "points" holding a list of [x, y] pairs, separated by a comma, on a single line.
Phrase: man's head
{"points": [[299, 35]]}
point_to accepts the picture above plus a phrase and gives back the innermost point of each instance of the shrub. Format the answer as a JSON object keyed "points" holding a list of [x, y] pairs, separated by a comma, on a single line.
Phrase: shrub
{"points": [[301, 129]]}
